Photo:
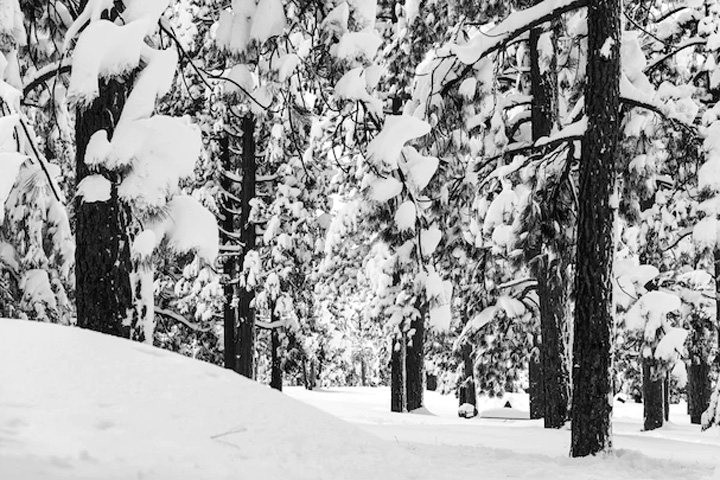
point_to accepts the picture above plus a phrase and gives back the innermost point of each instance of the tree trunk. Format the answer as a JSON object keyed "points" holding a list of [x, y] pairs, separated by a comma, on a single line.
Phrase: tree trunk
{"points": [[415, 361], [592, 364], [230, 267], [699, 389], [653, 397], [276, 380], [246, 314], [467, 393], [552, 400], [666, 396], [398, 391], [102, 255], [536, 391]]}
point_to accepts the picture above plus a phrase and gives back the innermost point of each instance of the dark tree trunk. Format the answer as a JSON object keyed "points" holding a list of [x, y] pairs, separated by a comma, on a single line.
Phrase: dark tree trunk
{"points": [[552, 400], [592, 365], [102, 255], [666, 396], [415, 361], [553, 357], [398, 391], [246, 314], [536, 391], [276, 378], [230, 267], [653, 395], [467, 392], [699, 389]]}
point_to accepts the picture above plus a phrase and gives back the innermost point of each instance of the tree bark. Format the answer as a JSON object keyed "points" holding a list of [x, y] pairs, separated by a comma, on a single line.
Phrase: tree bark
{"points": [[653, 397], [276, 375], [230, 267], [415, 361], [467, 392], [553, 384], [102, 256], [398, 390], [536, 392], [699, 389], [592, 362], [246, 326]]}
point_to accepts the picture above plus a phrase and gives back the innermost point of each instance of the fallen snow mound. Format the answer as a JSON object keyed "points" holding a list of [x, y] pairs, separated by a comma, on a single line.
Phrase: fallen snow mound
{"points": [[78, 404]]}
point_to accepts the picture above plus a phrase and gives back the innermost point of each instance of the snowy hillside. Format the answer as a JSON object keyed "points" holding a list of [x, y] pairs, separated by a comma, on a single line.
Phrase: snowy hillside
{"points": [[77, 404]]}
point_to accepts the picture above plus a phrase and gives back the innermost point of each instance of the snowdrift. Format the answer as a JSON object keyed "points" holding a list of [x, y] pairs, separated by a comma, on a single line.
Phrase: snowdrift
{"points": [[78, 404]]}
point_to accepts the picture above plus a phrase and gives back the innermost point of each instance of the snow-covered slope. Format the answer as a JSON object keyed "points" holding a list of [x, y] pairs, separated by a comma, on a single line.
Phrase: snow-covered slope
{"points": [[77, 404]]}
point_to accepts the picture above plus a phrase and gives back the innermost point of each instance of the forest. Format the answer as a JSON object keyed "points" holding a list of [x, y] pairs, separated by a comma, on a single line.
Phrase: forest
{"points": [[469, 198]]}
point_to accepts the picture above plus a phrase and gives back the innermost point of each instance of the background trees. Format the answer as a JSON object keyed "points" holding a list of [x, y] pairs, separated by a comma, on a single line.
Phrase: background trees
{"points": [[400, 188]]}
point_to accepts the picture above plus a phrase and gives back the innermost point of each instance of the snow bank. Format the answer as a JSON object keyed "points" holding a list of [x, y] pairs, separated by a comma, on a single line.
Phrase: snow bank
{"points": [[78, 404]]}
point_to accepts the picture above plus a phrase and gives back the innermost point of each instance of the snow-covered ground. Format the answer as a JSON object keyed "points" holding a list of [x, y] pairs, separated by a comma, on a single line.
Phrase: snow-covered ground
{"points": [[512, 448], [79, 405]]}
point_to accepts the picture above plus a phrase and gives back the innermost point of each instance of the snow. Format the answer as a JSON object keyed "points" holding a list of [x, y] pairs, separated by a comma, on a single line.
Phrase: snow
{"points": [[364, 12], [397, 130], [418, 168], [358, 44], [337, 19], [405, 216], [104, 50], [649, 310], [153, 82], [268, 20], [574, 130], [135, 411], [483, 42], [510, 446], [353, 86], [383, 189], [94, 188], [10, 163], [671, 344], [429, 240], [513, 307], [35, 284], [606, 49], [705, 233], [78, 404], [467, 88], [191, 227], [144, 244], [162, 150]]}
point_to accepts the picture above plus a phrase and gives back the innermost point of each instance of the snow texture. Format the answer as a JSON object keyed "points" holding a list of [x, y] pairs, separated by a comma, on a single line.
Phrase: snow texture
{"points": [[9, 168], [405, 216], [268, 20], [104, 50], [383, 189], [191, 227], [649, 312], [353, 86], [135, 411], [94, 188], [144, 244], [354, 45], [418, 168], [671, 345], [386, 147], [364, 12], [429, 240], [482, 42], [153, 82]]}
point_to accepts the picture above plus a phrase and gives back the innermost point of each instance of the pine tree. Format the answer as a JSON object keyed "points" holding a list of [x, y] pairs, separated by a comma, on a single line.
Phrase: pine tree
{"points": [[592, 386]]}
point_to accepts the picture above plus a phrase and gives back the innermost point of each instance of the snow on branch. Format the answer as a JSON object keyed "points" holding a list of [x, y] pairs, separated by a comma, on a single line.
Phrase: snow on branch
{"points": [[518, 23]]}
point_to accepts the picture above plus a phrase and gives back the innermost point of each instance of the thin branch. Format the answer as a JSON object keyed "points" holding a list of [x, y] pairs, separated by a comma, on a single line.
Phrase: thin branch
{"points": [[179, 318]]}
